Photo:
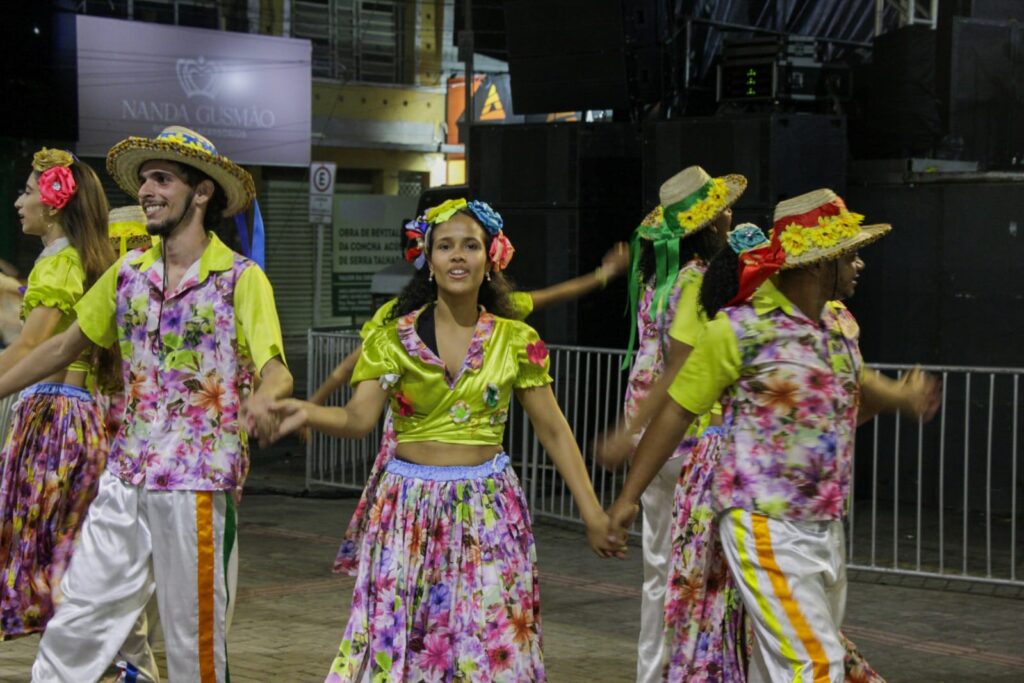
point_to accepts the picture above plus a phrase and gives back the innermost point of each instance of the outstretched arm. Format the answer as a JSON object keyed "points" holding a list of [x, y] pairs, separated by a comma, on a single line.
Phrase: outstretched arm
{"points": [[657, 445], [338, 378], [557, 438], [56, 353], [916, 393], [39, 327], [612, 266], [614, 448], [353, 421]]}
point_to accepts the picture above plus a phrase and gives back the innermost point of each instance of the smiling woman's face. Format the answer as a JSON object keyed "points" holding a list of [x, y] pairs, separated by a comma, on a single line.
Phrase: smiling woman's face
{"points": [[458, 255]]}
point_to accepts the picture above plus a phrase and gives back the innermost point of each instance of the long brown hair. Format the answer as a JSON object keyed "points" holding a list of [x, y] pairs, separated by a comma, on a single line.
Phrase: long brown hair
{"points": [[84, 221]]}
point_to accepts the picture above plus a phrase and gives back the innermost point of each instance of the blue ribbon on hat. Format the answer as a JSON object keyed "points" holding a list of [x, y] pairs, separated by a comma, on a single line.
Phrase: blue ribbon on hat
{"points": [[257, 249]]}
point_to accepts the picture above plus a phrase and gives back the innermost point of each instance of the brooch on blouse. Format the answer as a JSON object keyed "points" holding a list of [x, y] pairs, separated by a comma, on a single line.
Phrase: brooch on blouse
{"points": [[459, 412], [491, 394]]}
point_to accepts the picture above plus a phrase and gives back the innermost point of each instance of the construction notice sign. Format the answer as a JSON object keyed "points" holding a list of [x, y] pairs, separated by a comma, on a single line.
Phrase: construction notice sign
{"points": [[367, 235]]}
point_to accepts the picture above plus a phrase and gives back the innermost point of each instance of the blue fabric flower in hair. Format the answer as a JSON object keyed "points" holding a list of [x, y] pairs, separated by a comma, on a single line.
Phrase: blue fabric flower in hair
{"points": [[488, 217], [746, 236]]}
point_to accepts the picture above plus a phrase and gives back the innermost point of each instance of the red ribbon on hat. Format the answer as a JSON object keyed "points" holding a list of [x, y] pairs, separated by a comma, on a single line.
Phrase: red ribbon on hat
{"points": [[806, 220], [756, 266]]}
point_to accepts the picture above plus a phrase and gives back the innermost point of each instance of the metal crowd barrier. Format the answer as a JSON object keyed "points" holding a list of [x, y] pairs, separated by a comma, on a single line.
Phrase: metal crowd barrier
{"points": [[936, 500]]}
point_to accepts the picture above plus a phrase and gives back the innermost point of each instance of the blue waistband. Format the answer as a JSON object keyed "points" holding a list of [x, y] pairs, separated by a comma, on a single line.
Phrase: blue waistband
{"points": [[412, 470], [57, 389], [714, 429]]}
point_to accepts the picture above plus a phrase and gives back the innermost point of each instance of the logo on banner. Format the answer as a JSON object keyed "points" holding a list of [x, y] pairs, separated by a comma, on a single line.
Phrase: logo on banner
{"points": [[199, 77]]}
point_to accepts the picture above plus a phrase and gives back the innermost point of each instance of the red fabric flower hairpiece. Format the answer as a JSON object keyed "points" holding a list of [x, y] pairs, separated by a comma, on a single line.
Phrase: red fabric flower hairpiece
{"points": [[57, 186]]}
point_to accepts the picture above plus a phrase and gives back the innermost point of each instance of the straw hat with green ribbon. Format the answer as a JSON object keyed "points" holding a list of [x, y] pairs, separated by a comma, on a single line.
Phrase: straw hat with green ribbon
{"points": [[691, 200]]}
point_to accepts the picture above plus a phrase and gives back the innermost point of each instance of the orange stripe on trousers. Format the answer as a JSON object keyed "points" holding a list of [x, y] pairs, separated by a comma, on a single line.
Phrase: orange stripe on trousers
{"points": [[205, 544], [766, 557]]}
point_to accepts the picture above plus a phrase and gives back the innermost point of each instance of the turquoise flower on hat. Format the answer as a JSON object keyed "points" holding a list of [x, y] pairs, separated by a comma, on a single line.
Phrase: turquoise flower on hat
{"points": [[746, 236]]}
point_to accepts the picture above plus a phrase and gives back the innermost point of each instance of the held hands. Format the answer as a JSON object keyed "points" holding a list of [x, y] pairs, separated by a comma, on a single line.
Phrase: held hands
{"points": [[292, 415], [258, 418], [601, 542], [621, 516], [922, 394]]}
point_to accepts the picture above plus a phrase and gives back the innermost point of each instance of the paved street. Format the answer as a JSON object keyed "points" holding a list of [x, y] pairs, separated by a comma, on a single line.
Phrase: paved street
{"points": [[291, 609]]}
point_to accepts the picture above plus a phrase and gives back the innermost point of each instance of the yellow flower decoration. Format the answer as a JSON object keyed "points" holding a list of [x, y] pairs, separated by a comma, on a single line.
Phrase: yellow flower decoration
{"points": [[794, 240], [826, 235], [46, 159], [706, 211], [445, 210], [718, 192], [688, 219]]}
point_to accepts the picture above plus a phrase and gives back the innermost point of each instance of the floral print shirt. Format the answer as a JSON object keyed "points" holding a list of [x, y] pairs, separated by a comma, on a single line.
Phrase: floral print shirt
{"points": [[430, 402], [790, 390], [188, 358]]}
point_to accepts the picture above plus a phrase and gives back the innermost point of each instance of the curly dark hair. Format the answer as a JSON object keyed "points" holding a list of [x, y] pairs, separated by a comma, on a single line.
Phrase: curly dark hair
{"points": [[421, 290], [702, 245], [721, 281]]}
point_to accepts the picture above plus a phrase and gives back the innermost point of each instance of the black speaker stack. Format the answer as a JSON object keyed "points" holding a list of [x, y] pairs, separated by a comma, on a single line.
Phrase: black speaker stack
{"points": [[567, 192], [573, 55]]}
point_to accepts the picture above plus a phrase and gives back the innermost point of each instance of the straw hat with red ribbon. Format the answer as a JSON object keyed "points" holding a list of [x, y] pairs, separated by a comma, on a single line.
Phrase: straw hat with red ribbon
{"points": [[807, 229]]}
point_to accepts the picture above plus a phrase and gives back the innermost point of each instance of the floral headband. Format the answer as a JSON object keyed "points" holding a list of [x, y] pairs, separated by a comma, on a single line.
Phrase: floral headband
{"points": [[759, 259], [56, 183], [418, 231]]}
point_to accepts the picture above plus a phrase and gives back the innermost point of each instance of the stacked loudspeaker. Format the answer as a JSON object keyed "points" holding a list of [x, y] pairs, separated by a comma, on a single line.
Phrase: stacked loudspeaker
{"points": [[567, 192], [574, 55]]}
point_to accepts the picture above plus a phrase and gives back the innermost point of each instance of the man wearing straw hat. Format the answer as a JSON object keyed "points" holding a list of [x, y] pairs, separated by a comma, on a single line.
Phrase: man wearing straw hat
{"points": [[788, 371], [194, 321]]}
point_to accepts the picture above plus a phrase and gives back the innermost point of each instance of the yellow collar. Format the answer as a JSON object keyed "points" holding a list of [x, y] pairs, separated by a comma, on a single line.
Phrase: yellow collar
{"points": [[768, 297], [216, 257]]}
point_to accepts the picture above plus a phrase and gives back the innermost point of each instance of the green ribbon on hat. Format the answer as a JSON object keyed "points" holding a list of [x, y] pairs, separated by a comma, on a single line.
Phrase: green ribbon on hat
{"points": [[665, 241]]}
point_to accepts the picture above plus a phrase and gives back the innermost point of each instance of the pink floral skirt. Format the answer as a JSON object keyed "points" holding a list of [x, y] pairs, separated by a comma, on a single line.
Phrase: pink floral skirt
{"points": [[347, 561], [447, 585], [54, 454]]}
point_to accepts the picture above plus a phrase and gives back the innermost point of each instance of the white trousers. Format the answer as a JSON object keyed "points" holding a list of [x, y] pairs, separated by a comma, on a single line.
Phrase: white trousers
{"points": [[792, 576], [183, 545], [658, 501]]}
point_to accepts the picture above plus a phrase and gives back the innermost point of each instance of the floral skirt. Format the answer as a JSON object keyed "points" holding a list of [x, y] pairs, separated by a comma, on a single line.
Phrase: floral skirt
{"points": [[447, 586], [706, 632], [54, 455], [704, 628], [347, 561]]}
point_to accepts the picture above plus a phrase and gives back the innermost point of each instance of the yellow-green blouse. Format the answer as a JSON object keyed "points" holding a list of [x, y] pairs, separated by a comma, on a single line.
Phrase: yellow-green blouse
{"points": [[522, 307], [429, 402], [57, 281]]}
